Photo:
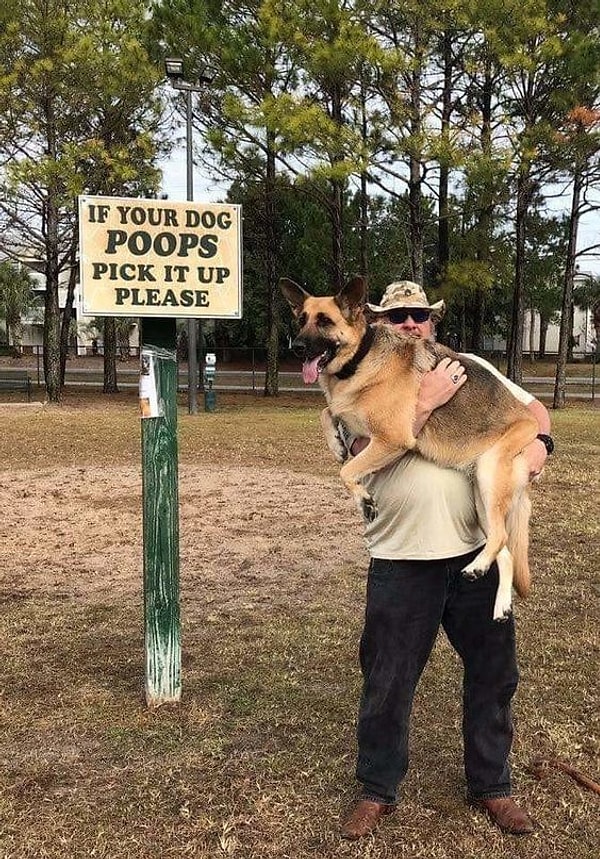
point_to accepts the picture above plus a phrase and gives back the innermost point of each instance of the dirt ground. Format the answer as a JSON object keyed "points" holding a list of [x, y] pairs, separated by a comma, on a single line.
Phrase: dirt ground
{"points": [[76, 534]]}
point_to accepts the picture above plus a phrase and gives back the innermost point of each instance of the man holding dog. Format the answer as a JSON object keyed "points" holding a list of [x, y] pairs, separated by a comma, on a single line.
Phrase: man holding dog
{"points": [[425, 533]]}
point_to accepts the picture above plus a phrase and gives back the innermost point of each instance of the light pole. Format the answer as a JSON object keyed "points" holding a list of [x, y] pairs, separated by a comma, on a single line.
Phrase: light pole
{"points": [[175, 73]]}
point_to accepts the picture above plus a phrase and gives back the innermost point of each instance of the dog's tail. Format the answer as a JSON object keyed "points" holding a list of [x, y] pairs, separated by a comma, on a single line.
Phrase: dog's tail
{"points": [[517, 526]]}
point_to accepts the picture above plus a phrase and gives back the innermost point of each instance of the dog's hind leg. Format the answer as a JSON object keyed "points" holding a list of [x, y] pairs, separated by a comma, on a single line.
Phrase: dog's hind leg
{"points": [[493, 492], [377, 454], [503, 603], [518, 529], [504, 559], [498, 475]]}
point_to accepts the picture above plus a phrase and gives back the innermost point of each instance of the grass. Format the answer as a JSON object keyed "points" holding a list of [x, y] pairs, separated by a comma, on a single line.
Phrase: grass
{"points": [[257, 760], [95, 430]]}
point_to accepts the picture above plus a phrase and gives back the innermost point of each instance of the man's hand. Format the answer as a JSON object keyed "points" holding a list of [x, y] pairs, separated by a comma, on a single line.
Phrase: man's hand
{"points": [[438, 387], [535, 456]]}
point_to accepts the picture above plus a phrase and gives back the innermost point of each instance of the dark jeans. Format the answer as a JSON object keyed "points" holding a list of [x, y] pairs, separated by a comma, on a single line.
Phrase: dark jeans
{"points": [[406, 603]]}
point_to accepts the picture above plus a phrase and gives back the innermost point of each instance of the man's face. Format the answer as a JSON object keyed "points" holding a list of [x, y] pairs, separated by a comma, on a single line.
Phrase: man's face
{"points": [[416, 322]]}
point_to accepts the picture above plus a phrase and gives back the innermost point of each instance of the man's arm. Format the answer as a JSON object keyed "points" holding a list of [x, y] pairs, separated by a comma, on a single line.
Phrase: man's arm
{"points": [[535, 453]]}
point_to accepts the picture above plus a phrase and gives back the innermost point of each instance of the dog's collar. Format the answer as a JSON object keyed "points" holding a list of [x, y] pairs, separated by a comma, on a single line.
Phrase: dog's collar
{"points": [[350, 367]]}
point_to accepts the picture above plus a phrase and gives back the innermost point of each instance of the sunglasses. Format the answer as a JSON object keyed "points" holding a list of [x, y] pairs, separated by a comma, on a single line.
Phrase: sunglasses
{"points": [[400, 314]]}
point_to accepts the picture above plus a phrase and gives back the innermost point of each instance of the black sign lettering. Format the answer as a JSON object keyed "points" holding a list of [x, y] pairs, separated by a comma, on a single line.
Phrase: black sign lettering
{"points": [[136, 297]]}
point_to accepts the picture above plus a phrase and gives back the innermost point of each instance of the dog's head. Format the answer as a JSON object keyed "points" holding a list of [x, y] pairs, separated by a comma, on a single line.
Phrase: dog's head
{"points": [[331, 327]]}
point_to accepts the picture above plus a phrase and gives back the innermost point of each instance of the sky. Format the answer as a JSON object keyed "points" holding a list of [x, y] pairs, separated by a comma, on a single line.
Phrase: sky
{"points": [[175, 179]]}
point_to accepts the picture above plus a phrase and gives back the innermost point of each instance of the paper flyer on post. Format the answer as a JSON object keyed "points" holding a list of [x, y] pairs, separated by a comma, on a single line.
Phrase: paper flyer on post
{"points": [[149, 405]]}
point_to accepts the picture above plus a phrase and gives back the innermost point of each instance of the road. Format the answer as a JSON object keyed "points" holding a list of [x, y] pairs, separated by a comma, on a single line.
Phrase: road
{"points": [[578, 387]]}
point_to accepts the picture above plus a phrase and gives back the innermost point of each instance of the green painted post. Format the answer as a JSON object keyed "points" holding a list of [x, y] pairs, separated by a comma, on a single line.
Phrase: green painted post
{"points": [[162, 622]]}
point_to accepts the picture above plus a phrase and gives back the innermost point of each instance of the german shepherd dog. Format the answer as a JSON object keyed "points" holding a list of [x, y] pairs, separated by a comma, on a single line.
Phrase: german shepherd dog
{"points": [[371, 376]]}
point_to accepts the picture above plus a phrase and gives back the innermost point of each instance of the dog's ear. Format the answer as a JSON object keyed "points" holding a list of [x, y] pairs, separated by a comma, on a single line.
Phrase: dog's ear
{"points": [[352, 297], [294, 294]]}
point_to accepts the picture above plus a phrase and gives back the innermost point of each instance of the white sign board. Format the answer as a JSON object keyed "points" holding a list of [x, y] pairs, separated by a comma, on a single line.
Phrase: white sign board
{"points": [[160, 258]]}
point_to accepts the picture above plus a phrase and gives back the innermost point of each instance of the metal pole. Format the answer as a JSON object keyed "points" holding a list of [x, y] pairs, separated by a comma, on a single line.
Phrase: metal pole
{"points": [[192, 327], [188, 141]]}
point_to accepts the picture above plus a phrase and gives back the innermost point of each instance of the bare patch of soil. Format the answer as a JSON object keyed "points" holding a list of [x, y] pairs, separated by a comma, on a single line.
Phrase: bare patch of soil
{"points": [[248, 535]]}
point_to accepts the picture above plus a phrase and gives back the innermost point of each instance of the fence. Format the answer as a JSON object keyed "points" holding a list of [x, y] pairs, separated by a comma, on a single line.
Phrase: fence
{"points": [[243, 369]]}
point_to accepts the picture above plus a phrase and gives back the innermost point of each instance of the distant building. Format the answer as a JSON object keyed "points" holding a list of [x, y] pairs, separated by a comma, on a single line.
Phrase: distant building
{"points": [[584, 334], [85, 338]]}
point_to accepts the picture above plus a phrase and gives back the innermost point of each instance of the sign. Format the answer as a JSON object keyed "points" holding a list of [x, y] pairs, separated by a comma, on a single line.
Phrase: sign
{"points": [[160, 258]]}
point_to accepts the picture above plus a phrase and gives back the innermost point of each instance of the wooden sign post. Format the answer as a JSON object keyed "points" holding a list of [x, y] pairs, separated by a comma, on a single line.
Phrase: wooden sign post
{"points": [[160, 260], [160, 506]]}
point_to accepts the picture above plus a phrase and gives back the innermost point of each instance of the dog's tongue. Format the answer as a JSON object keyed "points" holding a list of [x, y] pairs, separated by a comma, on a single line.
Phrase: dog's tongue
{"points": [[310, 371]]}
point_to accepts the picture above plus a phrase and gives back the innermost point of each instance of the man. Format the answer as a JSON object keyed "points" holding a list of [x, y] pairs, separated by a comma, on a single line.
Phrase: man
{"points": [[425, 533]]}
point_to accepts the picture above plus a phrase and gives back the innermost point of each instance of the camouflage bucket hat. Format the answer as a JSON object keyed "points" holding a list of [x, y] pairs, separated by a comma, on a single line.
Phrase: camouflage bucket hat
{"points": [[405, 293]]}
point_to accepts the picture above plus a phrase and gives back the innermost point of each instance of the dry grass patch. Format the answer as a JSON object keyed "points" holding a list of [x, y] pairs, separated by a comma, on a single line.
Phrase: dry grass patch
{"points": [[257, 760]]}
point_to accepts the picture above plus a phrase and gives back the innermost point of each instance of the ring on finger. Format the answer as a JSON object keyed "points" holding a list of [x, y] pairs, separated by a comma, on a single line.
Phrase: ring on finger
{"points": [[455, 378]]}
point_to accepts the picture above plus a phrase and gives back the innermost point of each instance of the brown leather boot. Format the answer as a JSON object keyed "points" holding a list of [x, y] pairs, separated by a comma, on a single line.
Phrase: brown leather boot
{"points": [[363, 817], [506, 814]]}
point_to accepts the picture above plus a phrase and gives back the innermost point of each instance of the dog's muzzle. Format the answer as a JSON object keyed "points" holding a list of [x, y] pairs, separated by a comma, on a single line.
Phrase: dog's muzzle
{"points": [[316, 353], [299, 348], [309, 348]]}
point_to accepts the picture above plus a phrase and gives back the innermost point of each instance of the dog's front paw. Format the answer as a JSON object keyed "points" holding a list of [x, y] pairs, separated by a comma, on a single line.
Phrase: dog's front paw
{"points": [[369, 508], [340, 452], [339, 443], [473, 573]]}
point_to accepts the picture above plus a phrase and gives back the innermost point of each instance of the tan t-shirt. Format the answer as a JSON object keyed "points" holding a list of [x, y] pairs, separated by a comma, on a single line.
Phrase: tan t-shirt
{"points": [[426, 511]]}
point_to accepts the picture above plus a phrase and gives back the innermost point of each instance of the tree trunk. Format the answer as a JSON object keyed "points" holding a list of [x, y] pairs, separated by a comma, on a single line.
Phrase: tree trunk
{"points": [[415, 208], [486, 213], [571, 345], [415, 201], [67, 314], [110, 356], [543, 335], [532, 333], [566, 319], [51, 304], [515, 340], [337, 229], [443, 255], [364, 197], [364, 229], [336, 202], [272, 370], [51, 308]]}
